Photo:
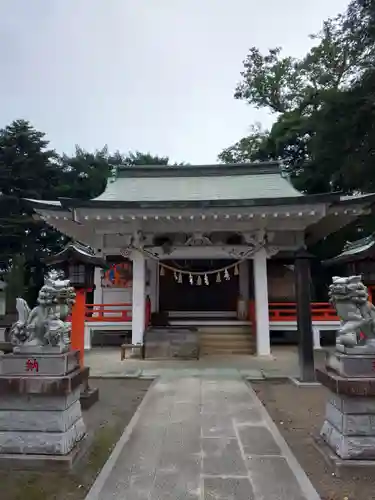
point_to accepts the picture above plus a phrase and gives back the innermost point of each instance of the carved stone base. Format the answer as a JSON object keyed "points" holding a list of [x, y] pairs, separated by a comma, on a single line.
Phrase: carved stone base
{"points": [[38, 401], [39, 364], [41, 349], [368, 348], [340, 467], [44, 463], [348, 447], [89, 397], [349, 426], [352, 365], [40, 410], [43, 443], [40, 420]]}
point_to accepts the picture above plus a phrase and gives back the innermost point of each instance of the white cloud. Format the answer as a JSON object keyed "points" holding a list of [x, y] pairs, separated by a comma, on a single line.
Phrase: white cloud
{"points": [[154, 75]]}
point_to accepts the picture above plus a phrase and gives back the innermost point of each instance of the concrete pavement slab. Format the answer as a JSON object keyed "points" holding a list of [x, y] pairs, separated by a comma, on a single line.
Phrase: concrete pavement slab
{"points": [[257, 440], [282, 486], [217, 425], [233, 487], [201, 437], [222, 456]]}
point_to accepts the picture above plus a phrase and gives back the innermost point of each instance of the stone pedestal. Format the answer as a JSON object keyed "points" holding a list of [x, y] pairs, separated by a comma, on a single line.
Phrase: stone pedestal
{"points": [[40, 410], [349, 426], [89, 395], [169, 342]]}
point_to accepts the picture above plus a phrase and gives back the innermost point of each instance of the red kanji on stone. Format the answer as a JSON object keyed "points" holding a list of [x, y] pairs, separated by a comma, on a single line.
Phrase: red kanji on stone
{"points": [[32, 365], [373, 366]]}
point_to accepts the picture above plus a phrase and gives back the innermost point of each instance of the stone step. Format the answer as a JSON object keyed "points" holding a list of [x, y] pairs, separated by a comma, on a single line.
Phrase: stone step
{"points": [[229, 335], [224, 330], [225, 343], [171, 343], [227, 351], [222, 343], [226, 348]]}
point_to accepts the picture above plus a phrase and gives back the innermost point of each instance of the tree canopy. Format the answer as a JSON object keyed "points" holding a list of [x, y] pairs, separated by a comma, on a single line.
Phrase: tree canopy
{"points": [[30, 169], [323, 104], [323, 134]]}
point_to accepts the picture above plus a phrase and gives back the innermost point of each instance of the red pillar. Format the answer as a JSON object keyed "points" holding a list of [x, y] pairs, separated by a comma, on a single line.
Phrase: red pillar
{"points": [[370, 293], [78, 324]]}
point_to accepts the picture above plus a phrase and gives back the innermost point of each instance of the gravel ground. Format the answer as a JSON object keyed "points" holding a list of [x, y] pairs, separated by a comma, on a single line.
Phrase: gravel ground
{"points": [[299, 414], [105, 422]]}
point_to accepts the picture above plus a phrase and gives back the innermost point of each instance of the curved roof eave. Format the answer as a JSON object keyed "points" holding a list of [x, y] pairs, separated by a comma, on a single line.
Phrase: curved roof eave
{"points": [[45, 204], [76, 251], [366, 199], [330, 198]]}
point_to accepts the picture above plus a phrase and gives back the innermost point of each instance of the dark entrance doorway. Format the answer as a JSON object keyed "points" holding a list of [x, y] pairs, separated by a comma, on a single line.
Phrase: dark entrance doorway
{"points": [[174, 296]]}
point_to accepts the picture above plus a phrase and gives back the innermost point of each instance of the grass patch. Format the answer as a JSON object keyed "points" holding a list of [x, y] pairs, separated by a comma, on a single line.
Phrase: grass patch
{"points": [[105, 422], [102, 446]]}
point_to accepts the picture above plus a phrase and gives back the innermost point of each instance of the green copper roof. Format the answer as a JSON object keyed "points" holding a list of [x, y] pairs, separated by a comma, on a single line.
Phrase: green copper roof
{"points": [[77, 252], [355, 250], [198, 183]]}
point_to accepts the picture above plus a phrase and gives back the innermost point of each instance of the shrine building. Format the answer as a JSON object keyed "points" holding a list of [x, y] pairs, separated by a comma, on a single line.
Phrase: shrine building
{"points": [[210, 246], [357, 257]]}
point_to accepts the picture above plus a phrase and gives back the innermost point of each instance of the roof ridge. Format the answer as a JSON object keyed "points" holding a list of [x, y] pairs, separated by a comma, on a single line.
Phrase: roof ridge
{"points": [[194, 165], [219, 169]]}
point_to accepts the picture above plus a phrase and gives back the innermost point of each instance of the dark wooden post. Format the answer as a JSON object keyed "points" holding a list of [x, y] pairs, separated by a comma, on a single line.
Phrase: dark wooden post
{"points": [[304, 325]]}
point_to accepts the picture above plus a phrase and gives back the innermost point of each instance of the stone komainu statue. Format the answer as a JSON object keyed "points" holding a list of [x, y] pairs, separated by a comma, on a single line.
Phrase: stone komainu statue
{"points": [[45, 324], [349, 296]]}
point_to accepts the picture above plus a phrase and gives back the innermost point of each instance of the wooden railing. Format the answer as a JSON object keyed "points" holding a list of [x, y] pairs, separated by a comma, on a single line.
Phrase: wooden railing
{"points": [[278, 312], [109, 312], [287, 311], [120, 312]]}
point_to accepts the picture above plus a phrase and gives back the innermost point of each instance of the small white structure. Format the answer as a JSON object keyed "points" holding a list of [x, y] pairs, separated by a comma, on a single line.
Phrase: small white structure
{"points": [[176, 234]]}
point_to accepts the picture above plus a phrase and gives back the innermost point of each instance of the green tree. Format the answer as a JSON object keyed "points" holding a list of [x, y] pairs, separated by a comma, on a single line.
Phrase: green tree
{"points": [[327, 93], [324, 130], [138, 158], [15, 279], [251, 148], [342, 146], [84, 175], [29, 169]]}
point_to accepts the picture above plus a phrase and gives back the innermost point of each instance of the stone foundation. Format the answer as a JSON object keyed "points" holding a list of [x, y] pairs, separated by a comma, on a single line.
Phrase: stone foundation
{"points": [[40, 410], [182, 343], [349, 426], [39, 364], [351, 365]]}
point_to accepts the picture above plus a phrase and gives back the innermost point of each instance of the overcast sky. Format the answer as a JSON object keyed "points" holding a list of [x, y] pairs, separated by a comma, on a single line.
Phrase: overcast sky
{"points": [[148, 75]]}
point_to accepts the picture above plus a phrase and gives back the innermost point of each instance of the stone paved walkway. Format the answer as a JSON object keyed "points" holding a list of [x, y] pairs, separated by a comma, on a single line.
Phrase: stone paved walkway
{"points": [[202, 438], [106, 362]]}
